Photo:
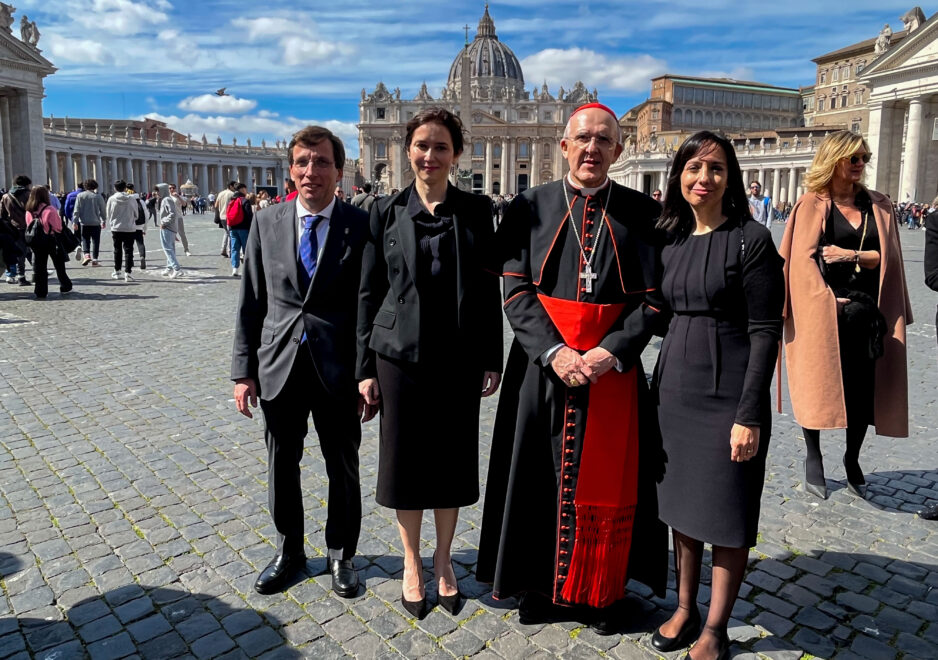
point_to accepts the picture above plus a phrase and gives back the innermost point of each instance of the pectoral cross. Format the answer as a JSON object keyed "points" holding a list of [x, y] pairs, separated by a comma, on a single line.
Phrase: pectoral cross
{"points": [[588, 276]]}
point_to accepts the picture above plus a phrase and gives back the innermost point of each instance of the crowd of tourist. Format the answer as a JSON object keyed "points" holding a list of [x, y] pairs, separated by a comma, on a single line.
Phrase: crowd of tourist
{"points": [[389, 306]]}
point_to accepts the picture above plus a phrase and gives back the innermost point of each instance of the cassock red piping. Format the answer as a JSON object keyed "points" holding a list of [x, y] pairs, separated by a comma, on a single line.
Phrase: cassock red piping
{"points": [[513, 275], [654, 309], [616, 250], [520, 293], [551, 248]]}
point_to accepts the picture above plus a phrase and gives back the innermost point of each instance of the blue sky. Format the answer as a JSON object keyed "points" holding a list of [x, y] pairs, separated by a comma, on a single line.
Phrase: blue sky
{"points": [[288, 64]]}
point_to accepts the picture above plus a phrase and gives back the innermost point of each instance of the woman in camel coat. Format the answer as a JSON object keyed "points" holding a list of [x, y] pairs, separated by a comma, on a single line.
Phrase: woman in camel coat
{"points": [[832, 383]]}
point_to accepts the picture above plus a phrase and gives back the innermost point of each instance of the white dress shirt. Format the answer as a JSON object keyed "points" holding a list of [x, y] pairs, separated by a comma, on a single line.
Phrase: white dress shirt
{"points": [[322, 229]]}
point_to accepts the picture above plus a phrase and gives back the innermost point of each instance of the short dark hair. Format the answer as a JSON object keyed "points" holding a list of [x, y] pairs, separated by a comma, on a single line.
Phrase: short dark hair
{"points": [[22, 180], [81, 185], [677, 216], [120, 185], [367, 187], [232, 183], [240, 186], [91, 184], [38, 197], [441, 116], [312, 135], [130, 186]]}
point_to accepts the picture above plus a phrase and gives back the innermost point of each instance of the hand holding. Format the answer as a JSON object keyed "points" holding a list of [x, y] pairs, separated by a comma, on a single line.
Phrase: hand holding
{"points": [[490, 383], [840, 304], [833, 254], [245, 391], [570, 367], [600, 361], [369, 399], [744, 442]]}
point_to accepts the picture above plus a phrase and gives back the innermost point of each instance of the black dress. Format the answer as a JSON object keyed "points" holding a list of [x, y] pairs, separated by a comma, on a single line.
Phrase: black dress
{"points": [[714, 370], [857, 368], [430, 408]]}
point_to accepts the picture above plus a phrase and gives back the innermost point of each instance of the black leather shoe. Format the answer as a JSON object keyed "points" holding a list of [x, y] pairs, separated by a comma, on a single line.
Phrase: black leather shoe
{"points": [[344, 577], [608, 620], [533, 608], [449, 603], [815, 489], [279, 572], [724, 648], [687, 634], [929, 513]]}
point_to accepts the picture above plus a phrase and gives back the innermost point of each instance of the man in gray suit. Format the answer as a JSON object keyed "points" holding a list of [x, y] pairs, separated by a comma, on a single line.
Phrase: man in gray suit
{"points": [[294, 348]]}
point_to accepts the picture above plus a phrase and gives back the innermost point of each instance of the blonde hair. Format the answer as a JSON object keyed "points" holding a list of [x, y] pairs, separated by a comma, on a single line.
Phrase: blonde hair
{"points": [[833, 148]]}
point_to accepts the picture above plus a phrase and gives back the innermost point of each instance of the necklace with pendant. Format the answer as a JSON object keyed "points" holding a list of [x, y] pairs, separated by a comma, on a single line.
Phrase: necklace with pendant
{"points": [[587, 274]]}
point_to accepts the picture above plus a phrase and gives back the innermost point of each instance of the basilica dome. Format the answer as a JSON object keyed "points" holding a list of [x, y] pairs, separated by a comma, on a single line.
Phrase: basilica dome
{"points": [[493, 64]]}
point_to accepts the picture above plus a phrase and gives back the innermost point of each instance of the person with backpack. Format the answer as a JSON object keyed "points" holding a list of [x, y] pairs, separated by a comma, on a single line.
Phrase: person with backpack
{"points": [[239, 216], [13, 221], [169, 217], [39, 208], [121, 212], [364, 199], [141, 228]]}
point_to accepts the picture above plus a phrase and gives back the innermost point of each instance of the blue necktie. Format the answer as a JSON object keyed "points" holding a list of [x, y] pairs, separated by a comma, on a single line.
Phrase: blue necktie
{"points": [[309, 250]]}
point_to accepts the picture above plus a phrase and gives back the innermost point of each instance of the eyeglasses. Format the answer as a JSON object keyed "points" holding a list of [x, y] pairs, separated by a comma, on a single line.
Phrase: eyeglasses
{"points": [[854, 159], [583, 141], [754, 188], [318, 164]]}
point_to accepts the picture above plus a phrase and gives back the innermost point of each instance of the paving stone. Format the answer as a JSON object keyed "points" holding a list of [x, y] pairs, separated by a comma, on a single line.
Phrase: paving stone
{"points": [[212, 645], [112, 648], [134, 610], [773, 623], [858, 602], [343, 628], [148, 628], [873, 649], [197, 626], [167, 646], [259, 640], [100, 628], [815, 619], [461, 642]]}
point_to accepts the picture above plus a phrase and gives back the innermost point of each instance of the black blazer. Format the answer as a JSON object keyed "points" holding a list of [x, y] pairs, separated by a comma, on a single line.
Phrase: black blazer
{"points": [[931, 251], [273, 314], [389, 306]]}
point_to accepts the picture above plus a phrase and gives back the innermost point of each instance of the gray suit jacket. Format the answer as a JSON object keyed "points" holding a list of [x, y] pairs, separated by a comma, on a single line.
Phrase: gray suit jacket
{"points": [[273, 313]]}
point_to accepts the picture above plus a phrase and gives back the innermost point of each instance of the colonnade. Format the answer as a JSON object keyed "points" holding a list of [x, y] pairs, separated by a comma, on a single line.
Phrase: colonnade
{"points": [[67, 168]]}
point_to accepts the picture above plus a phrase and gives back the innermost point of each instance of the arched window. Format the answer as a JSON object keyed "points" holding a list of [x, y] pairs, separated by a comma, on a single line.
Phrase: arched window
{"points": [[698, 118], [545, 150], [708, 119], [677, 117], [718, 119], [524, 150], [478, 148], [381, 149]]}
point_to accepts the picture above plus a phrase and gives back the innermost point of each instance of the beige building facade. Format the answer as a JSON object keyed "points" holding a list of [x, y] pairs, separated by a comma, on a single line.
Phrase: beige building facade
{"points": [[513, 134], [22, 71]]}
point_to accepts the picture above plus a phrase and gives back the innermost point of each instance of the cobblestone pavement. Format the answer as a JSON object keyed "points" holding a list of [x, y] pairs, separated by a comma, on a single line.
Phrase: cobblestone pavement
{"points": [[133, 509]]}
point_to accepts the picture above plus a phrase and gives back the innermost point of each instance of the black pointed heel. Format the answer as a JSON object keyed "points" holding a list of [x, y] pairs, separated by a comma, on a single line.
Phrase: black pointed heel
{"points": [[449, 603], [416, 608], [857, 487], [814, 489]]}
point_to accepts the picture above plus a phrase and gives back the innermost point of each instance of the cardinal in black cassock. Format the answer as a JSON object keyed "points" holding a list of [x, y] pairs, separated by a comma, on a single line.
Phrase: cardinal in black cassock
{"points": [[570, 505]]}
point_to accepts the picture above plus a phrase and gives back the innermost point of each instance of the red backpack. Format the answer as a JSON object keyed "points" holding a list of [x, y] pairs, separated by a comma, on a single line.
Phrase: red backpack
{"points": [[234, 215]]}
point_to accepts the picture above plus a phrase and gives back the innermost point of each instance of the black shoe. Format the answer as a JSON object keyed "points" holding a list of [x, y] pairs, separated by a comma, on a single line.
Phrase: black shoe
{"points": [[416, 608], [687, 634], [449, 603], [608, 620], [724, 648], [533, 608], [856, 483], [815, 489], [344, 577], [929, 513], [279, 572]]}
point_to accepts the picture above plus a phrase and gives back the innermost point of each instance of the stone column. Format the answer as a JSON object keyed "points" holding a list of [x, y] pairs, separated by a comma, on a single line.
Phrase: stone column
{"points": [[5, 175], [488, 166], [52, 165], [187, 171], [83, 166], [762, 178], [775, 186], [512, 181], [792, 185], [112, 172], [663, 182], [503, 168], [912, 155], [69, 171], [204, 187], [534, 177]]}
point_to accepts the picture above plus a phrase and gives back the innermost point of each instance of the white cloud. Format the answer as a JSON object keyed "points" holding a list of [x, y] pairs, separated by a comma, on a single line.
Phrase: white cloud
{"points": [[254, 126], [79, 50], [565, 66], [297, 38], [221, 104], [123, 17]]}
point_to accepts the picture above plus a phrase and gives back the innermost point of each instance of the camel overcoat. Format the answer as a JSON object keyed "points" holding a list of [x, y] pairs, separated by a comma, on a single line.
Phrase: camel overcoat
{"points": [[812, 352]]}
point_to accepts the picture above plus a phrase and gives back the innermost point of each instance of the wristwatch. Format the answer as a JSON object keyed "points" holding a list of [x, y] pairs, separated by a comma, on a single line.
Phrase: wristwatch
{"points": [[856, 256]]}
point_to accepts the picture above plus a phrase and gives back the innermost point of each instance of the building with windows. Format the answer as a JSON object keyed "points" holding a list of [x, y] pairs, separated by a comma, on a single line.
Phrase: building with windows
{"points": [[512, 133]]}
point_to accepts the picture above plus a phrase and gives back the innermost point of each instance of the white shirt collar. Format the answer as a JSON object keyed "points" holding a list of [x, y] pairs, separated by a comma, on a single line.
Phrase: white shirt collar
{"points": [[587, 191], [326, 213]]}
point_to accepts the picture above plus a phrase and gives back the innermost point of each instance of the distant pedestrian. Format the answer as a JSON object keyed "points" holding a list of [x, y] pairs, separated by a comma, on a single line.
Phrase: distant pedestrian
{"points": [[141, 228], [180, 224], [13, 221], [39, 208], [89, 217], [122, 219], [169, 217]]}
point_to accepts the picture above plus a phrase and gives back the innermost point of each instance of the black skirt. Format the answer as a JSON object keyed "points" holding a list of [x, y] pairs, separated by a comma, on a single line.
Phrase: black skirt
{"points": [[428, 451]]}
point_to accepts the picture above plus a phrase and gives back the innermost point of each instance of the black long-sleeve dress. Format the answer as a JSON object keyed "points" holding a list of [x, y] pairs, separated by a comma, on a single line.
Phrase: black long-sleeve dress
{"points": [[715, 368], [931, 253]]}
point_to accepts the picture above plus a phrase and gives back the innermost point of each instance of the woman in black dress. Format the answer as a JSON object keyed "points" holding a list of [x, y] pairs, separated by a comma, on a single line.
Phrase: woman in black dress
{"points": [[429, 346], [723, 284]]}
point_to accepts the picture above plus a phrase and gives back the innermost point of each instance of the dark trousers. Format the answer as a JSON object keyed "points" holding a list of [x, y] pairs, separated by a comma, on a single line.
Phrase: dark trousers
{"points": [[141, 245], [41, 276], [91, 240], [123, 250], [337, 424]]}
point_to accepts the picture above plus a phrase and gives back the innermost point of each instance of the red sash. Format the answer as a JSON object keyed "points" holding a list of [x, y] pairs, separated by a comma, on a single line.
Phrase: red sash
{"points": [[607, 483]]}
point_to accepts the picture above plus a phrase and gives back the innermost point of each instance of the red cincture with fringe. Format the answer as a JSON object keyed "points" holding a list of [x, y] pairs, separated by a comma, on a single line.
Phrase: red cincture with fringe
{"points": [[598, 493]]}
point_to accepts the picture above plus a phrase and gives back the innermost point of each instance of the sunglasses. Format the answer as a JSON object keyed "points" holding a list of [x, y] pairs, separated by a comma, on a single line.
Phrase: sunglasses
{"points": [[856, 159]]}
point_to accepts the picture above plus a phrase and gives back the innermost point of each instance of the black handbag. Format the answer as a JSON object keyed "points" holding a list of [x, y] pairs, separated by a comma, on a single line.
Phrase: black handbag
{"points": [[67, 239]]}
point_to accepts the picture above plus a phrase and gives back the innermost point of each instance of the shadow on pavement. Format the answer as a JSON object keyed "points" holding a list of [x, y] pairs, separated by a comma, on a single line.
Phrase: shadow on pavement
{"points": [[161, 622]]}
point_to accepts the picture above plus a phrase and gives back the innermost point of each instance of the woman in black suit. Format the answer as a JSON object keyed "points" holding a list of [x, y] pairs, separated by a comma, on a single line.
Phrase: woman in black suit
{"points": [[429, 346]]}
